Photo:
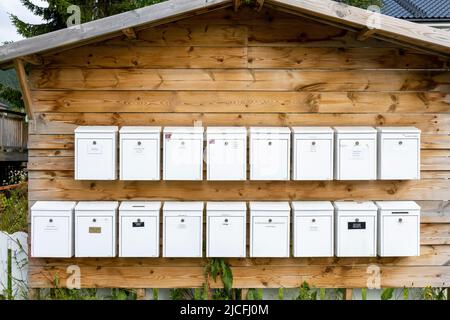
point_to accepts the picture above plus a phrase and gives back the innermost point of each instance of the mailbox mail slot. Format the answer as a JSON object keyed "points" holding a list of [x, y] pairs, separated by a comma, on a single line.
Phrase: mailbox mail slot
{"points": [[139, 229], [398, 228]]}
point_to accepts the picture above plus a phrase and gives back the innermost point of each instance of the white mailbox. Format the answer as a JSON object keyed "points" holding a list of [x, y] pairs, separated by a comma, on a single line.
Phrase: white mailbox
{"points": [[270, 153], [398, 153], [355, 229], [52, 229], [356, 153], [398, 228], [313, 228], [226, 226], [139, 229], [269, 229], [95, 228], [183, 153], [183, 229], [312, 150], [226, 154], [96, 153], [140, 153]]}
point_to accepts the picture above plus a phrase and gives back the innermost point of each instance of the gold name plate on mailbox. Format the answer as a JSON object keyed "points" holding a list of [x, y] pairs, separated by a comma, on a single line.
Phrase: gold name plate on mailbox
{"points": [[95, 230]]}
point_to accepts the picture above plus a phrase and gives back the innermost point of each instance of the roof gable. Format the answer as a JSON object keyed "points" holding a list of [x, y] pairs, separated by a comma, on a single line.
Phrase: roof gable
{"points": [[389, 28]]}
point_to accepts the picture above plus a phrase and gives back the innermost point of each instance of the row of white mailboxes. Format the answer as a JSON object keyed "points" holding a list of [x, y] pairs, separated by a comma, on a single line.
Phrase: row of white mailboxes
{"points": [[347, 229], [318, 153]]}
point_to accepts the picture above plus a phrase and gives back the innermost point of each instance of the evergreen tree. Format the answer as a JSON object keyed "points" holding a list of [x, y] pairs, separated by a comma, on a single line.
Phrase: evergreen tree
{"points": [[363, 3], [55, 14]]}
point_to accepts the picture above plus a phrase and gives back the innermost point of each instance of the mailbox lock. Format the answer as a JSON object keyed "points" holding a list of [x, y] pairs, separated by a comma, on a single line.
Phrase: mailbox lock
{"points": [[270, 220], [356, 220], [270, 143], [94, 220], [226, 143], [94, 142], [139, 143], [313, 220], [182, 143], [400, 220], [313, 143], [400, 143], [50, 220], [357, 143], [226, 220], [182, 220]]}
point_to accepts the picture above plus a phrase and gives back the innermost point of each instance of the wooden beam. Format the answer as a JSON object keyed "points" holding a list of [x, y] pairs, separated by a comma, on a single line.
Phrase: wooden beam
{"points": [[106, 26], [413, 33], [130, 33], [236, 4], [23, 81], [365, 33], [33, 59]]}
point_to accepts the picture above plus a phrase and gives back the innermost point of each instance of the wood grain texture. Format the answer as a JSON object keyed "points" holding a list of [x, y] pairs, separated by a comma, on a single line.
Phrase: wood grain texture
{"points": [[239, 102], [244, 277], [65, 123], [134, 56], [437, 255], [248, 68], [246, 190], [266, 80]]}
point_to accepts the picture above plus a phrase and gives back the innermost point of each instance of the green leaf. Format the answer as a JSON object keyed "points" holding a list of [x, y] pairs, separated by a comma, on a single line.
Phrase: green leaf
{"points": [[387, 294], [280, 293], [364, 294], [405, 293], [227, 277]]}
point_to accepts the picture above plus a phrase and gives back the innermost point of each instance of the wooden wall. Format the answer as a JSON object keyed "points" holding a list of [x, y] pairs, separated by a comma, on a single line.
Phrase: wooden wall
{"points": [[245, 69]]}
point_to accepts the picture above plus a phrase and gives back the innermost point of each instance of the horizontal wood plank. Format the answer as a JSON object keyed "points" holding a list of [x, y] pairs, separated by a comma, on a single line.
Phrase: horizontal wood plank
{"points": [[135, 56], [150, 57], [245, 190], [239, 102], [429, 256], [340, 58], [245, 277], [239, 80], [65, 123]]}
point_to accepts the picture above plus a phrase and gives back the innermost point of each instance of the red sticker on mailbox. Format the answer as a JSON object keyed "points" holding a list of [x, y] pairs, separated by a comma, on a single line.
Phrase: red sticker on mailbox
{"points": [[168, 135], [212, 141]]}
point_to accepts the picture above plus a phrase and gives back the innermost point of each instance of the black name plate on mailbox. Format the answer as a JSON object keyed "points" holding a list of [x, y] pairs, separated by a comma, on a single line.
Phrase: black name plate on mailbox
{"points": [[356, 225], [138, 224]]}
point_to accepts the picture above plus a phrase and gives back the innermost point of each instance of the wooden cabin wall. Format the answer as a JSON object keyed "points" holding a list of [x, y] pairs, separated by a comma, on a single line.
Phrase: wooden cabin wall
{"points": [[244, 69]]}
